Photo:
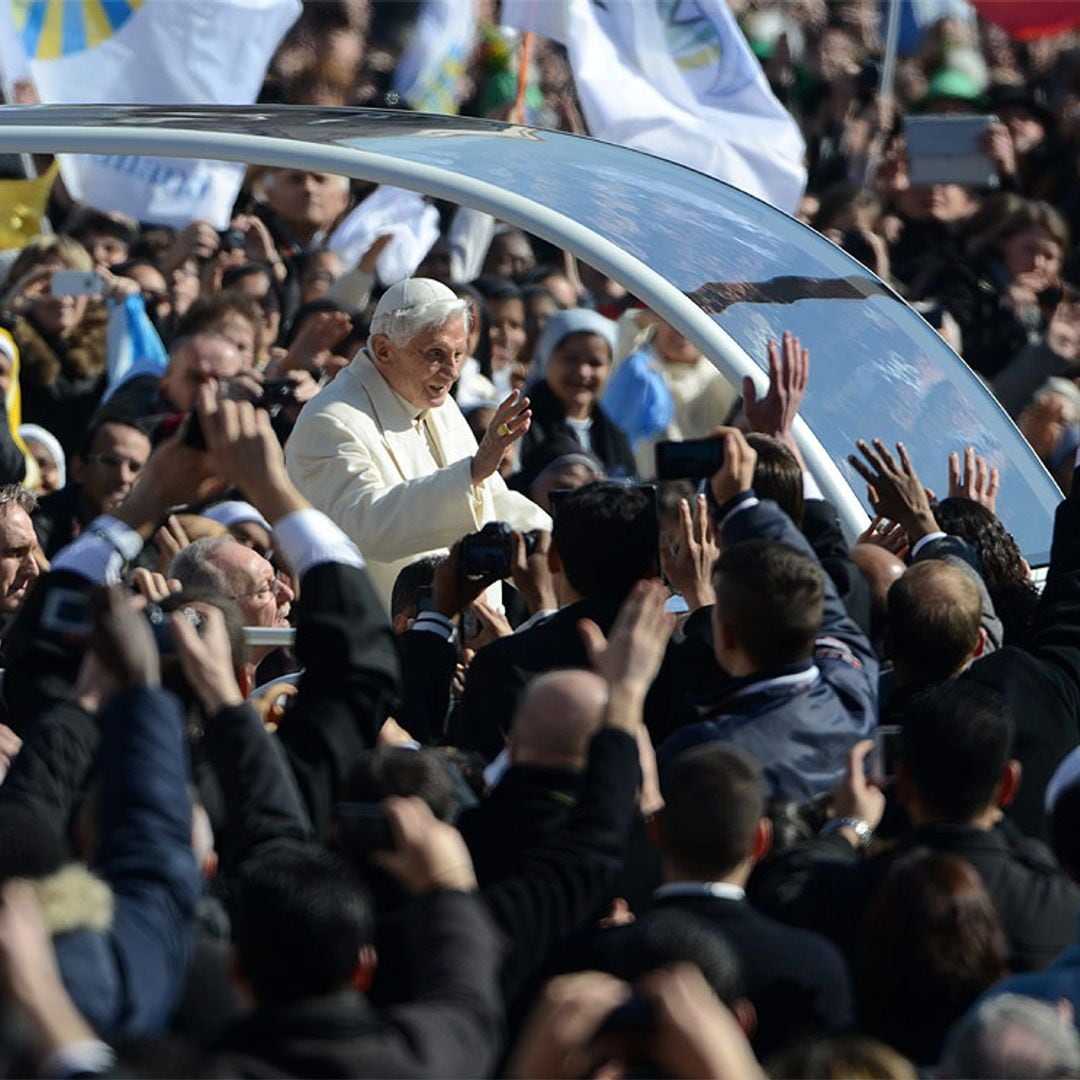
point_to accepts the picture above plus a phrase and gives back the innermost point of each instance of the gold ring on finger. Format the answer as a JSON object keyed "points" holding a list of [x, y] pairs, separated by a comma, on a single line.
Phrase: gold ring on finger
{"points": [[503, 430]]}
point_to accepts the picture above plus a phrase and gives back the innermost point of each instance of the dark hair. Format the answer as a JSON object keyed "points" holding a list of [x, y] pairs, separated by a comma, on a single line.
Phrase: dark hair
{"points": [[931, 926], [773, 597], [671, 936], [135, 263], [714, 796], [104, 416], [840, 197], [207, 310], [1003, 568], [395, 770], [474, 298], [495, 288], [934, 612], [605, 535], [314, 307], [1019, 217], [957, 738], [235, 273], [405, 597], [299, 921], [778, 475]]}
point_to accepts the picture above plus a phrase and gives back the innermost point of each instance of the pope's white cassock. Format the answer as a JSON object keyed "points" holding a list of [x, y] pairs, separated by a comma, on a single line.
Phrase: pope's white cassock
{"points": [[398, 480]]}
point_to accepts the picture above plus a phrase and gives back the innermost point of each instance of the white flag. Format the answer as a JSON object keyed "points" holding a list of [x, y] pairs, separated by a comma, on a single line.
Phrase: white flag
{"points": [[149, 52], [434, 61], [676, 78], [413, 224]]}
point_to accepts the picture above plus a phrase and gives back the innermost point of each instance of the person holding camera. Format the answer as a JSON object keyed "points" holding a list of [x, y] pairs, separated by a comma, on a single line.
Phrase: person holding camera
{"points": [[385, 452]]}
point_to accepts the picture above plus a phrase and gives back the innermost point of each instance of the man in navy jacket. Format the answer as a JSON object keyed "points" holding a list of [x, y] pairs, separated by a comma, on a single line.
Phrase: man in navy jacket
{"points": [[798, 678]]}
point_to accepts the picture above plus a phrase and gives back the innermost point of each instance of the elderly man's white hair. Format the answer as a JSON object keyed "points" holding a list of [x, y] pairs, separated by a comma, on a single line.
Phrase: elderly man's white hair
{"points": [[416, 304], [1010, 1036]]}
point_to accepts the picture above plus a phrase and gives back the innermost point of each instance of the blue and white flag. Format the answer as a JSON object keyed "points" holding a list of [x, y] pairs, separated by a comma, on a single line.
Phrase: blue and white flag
{"points": [[132, 345], [150, 52], [676, 78], [428, 73]]}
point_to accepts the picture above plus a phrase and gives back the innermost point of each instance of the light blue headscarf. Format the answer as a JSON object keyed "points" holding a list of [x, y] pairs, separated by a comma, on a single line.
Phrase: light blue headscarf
{"points": [[559, 327]]}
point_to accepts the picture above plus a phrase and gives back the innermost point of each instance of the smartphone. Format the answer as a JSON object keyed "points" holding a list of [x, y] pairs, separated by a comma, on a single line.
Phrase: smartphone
{"points": [[693, 459], [76, 283], [948, 150], [886, 751], [363, 827], [67, 611]]}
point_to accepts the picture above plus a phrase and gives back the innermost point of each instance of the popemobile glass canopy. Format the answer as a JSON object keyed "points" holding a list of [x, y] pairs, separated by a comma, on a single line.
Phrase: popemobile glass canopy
{"points": [[727, 270]]}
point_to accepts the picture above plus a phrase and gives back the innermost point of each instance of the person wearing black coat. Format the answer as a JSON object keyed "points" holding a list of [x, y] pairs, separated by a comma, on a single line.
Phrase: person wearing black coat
{"points": [[571, 365], [710, 833], [604, 541], [956, 771]]}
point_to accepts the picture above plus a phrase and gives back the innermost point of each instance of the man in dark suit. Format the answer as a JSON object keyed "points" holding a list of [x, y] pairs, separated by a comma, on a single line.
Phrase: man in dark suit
{"points": [[604, 540], [547, 752], [1040, 681], [955, 773], [710, 834], [304, 948]]}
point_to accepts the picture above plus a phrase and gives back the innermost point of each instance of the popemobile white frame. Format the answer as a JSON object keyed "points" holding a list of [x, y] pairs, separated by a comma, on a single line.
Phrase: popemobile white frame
{"points": [[297, 139]]}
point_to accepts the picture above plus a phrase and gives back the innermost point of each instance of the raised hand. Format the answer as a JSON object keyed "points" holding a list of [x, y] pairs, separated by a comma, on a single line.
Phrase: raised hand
{"points": [[123, 640], [630, 656], [977, 482], [510, 423], [241, 440], [428, 854], [789, 372], [736, 474], [688, 558], [895, 490]]}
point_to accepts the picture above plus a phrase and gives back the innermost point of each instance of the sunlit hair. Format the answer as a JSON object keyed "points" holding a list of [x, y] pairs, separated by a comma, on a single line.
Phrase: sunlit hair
{"points": [[401, 325]]}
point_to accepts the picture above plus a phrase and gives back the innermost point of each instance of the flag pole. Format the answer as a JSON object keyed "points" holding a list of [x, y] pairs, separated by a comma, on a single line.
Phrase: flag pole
{"points": [[886, 98], [892, 45]]}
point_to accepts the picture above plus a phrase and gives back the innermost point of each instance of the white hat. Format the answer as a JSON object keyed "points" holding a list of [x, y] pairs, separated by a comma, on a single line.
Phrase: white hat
{"points": [[412, 293], [234, 512]]}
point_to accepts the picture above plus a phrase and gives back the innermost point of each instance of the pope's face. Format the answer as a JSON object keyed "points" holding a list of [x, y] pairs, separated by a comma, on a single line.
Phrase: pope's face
{"points": [[424, 370]]}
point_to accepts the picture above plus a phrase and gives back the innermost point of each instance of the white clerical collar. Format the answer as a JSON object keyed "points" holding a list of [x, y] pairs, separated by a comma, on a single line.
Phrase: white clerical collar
{"points": [[722, 890]]}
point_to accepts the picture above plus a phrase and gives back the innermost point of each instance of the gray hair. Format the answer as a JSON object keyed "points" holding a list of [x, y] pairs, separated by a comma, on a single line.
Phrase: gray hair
{"points": [[17, 495], [1010, 1036], [401, 325], [194, 570]]}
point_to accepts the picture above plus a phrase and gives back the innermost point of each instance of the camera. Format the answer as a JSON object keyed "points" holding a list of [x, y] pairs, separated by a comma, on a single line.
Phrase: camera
{"points": [[231, 239], [277, 392], [487, 554], [159, 625]]}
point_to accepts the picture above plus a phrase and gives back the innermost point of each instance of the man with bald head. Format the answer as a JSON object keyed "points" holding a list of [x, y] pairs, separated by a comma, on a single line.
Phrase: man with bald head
{"points": [[935, 623], [547, 750]]}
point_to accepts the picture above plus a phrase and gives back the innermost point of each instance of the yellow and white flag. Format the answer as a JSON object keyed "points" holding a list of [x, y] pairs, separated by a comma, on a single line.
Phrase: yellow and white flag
{"points": [[148, 52]]}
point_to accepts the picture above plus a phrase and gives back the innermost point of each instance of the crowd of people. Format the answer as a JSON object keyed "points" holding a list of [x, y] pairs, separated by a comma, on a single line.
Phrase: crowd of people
{"points": [[369, 708]]}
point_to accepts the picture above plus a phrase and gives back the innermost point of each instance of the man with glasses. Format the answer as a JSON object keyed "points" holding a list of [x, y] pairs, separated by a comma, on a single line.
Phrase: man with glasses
{"points": [[108, 461], [232, 569]]}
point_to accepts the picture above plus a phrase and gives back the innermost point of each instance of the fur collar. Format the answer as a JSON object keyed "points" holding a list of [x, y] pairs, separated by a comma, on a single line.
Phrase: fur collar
{"points": [[81, 356], [73, 899]]}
